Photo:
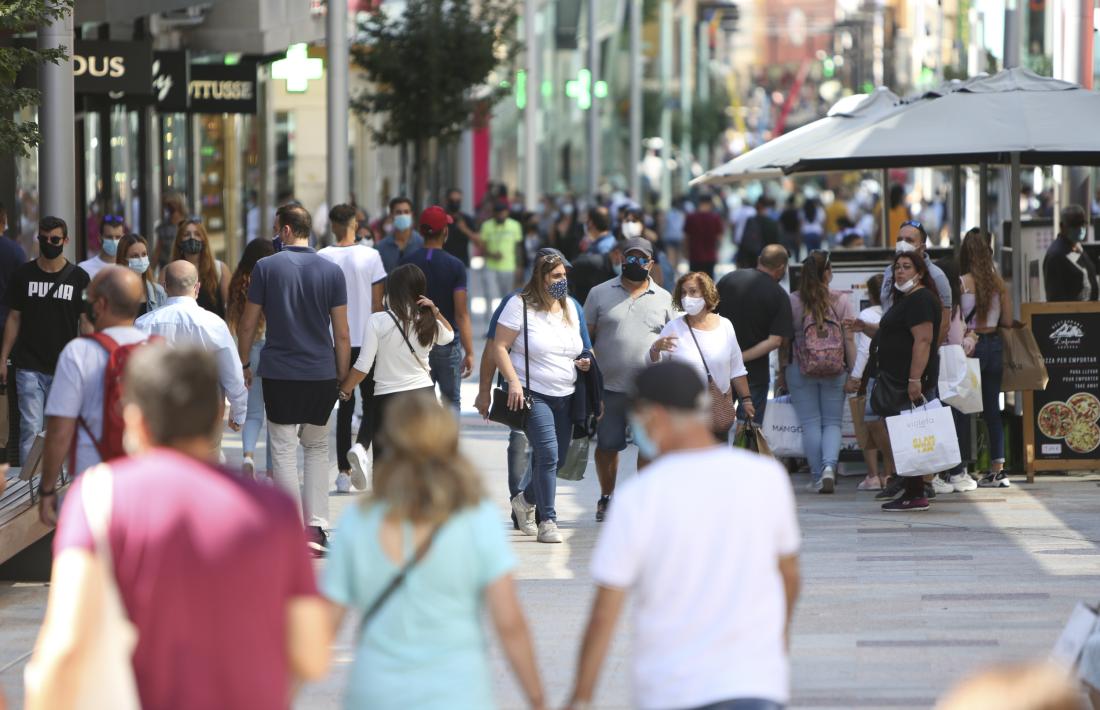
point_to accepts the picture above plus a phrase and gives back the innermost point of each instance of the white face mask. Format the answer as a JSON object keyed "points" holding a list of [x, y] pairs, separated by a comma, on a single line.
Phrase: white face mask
{"points": [[904, 248], [693, 305], [907, 286], [632, 229]]}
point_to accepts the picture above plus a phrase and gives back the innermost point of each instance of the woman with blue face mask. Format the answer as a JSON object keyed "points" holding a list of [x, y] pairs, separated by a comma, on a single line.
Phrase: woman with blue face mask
{"points": [[133, 253], [537, 350]]}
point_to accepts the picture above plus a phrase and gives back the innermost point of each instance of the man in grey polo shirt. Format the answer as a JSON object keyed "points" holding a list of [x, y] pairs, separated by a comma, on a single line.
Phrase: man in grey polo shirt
{"points": [[625, 316]]}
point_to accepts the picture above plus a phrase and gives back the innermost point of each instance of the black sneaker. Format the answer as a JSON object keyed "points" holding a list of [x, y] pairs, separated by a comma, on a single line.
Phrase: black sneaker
{"points": [[929, 491], [601, 508], [317, 541], [905, 504], [892, 490]]}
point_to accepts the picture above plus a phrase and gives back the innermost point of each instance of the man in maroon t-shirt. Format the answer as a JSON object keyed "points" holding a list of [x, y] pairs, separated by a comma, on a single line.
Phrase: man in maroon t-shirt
{"points": [[212, 569], [702, 230]]}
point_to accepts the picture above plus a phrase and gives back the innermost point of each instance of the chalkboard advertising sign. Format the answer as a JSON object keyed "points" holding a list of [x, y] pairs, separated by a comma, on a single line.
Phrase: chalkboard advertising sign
{"points": [[1062, 422]]}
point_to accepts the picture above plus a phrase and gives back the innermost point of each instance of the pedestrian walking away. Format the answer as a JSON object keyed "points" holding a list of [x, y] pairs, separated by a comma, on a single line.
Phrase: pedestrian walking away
{"points": [[447, 289], [193, 245], [238, 297], [45, 298], [759, 231], [537, 348], [404, 239], [816, 365], [396, 345], [715, 584], [702, 231], [624, 317], [228, 550], [133, 253], [760, 310], [112, 229], [303, 299], [365, 277], [414, 564], [83, 426]]}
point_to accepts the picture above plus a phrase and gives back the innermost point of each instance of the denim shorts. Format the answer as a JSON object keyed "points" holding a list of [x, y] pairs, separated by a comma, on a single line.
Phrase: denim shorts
{"points": [[611, 429]]}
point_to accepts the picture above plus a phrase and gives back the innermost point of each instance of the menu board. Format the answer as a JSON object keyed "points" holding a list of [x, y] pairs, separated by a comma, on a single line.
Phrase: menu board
{"points": [[1062, 422]]}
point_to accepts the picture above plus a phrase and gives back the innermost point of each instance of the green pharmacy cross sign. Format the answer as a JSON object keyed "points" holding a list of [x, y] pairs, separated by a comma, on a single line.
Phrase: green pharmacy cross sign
{"points": [[297, 69], [582, 89]]}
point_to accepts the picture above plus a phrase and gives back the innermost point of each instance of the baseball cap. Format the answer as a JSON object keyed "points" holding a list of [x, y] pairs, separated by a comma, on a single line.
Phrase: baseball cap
{"points": [[669, 384], [435, 218], [638, 244], [551, 251]]}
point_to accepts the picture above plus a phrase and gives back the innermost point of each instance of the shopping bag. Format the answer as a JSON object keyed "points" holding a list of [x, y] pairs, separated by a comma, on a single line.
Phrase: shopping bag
{"points": [[923, 440], [858, 406], [1024, 367], [1080, 626], [960, 383], [576, 460], [783, 429], [32, 466], [751, 438]]}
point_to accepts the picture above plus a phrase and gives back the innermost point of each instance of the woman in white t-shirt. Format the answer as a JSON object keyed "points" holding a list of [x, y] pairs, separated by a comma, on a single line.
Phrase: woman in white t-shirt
{"points": [[550, 343], [705, 340], [396, 344], [875, 480]]}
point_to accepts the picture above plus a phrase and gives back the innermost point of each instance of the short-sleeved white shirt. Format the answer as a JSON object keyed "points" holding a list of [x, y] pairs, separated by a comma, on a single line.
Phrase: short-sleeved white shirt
{"points": [[362, 267], [719, 346], [555, 343], [709, 606]]}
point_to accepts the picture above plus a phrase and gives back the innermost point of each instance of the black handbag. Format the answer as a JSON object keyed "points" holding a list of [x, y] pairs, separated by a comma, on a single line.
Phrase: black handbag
{"points": [[499, 411], [889, 396]]}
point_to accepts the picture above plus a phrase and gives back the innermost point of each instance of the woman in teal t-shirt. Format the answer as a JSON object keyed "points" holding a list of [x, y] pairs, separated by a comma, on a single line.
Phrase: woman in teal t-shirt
{"points": [[425, 646]]}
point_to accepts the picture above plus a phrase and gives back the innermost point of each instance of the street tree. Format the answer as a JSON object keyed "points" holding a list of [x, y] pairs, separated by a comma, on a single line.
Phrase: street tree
{"points": [[435, 70], [24, 17]]}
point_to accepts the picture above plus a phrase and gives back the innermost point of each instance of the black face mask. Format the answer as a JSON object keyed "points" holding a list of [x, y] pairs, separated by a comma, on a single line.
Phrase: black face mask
{"points": [[191, 246], [50, 251], [500, 220], [454, 205], [635, 272]]}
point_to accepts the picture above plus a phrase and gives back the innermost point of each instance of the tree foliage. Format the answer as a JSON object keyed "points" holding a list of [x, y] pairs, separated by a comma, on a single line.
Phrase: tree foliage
{"points": [[427, 64], [18, 17]]}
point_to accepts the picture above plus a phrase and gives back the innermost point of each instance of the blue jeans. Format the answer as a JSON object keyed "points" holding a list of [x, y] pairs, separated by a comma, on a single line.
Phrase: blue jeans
{"points": [[819, 402], [32, 388], [759, 393], [990, 354], [549, 431], [743, 704], [518, 461], [446, 365], [254, 420]]}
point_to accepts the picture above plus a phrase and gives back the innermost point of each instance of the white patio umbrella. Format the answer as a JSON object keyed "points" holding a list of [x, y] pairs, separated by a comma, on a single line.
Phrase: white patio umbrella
{"points": [[766, 161]]}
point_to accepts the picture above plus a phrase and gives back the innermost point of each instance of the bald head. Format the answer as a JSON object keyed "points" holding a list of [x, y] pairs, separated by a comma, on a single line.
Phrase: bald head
{"points": [[180, 279], [121, 289]]}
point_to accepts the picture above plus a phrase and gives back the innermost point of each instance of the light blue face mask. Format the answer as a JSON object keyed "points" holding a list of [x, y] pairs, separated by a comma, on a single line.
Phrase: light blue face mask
{"points": [[618, 269], [402, 222], [110, 247], [646, 448]]}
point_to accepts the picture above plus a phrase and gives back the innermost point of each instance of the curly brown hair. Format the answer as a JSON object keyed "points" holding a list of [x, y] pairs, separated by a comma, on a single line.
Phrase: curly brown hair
{"points": [[242, 278], [706, 287]]}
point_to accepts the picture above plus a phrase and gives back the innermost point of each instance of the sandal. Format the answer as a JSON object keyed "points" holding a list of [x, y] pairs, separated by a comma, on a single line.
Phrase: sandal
{"points": [[870, 483]]}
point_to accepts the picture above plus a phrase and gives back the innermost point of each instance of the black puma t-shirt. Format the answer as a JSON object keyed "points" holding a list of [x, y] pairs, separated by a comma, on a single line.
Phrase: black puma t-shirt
{"points": [[50, 313]]}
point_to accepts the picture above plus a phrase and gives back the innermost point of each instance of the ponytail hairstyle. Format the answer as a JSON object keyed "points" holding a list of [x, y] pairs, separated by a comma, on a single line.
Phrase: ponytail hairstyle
{"points": [[422, 476], [404, 287], [813, 289]]}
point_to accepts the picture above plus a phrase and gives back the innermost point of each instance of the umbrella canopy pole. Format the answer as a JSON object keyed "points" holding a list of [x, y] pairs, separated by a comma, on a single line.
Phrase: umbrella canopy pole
{"points": [[1018, 265], [983, 198], [956, 205], [885, 235]]}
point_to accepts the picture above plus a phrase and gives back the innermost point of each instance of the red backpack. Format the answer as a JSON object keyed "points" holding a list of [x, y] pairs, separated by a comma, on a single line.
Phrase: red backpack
{"points": [[110, 445]]}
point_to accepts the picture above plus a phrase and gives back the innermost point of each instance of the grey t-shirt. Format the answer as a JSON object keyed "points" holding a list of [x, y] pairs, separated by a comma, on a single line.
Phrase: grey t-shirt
{"points": [[943, 286], [298, 290], [625, 328]]}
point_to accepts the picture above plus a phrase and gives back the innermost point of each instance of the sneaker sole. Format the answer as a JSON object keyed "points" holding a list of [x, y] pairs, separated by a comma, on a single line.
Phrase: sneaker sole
{"points": [[549, 542], [906, 510], [358, 474]]}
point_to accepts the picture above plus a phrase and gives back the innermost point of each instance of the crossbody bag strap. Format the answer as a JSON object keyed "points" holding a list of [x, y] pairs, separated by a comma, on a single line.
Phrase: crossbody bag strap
{"points": [[526, 348], [405, 337], [702, 357], [397, 581], [65, 273]]}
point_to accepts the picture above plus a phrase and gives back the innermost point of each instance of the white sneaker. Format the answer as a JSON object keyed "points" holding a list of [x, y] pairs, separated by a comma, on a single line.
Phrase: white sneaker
{"points": [[343, 483], [525, 514], [962, 482], [813, 486], [548, 531], [357, 457], [995, 480], [828, 480], [941, 486], [248, 467]]}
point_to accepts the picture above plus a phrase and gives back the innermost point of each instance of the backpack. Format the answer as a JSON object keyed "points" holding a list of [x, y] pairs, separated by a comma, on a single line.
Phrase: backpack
{"points": [[821, 352], [110, 445]]}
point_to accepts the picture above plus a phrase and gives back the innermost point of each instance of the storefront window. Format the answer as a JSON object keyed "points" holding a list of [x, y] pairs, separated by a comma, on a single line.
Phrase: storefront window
{"points": [[284, 154], [174, 156], [24, 220]]}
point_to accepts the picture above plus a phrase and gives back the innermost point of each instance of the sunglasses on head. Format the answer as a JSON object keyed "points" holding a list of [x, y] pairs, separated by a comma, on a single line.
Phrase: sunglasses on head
{"points": [[114, 219], [52, 239], [821, 252]]}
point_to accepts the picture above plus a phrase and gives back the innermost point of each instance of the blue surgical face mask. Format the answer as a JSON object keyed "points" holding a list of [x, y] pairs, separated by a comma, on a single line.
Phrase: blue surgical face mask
{"points": [[402, 222], [110, 246], [1082, 232], [646, 448], [139, 265], [558, 289]]}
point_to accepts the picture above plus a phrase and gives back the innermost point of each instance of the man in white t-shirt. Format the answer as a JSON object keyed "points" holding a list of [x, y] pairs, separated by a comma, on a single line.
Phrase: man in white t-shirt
{"points": [[716, 582], [366, 279], [112, 228]]}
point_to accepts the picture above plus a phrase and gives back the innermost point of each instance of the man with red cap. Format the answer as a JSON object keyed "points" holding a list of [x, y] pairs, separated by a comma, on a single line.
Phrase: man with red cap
{"points": [[446, 275]]}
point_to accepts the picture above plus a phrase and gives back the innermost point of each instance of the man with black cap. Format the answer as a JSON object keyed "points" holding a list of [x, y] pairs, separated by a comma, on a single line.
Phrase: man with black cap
{"points": [[625, 315], [1068, 271], [716, 582], [502, 240]]}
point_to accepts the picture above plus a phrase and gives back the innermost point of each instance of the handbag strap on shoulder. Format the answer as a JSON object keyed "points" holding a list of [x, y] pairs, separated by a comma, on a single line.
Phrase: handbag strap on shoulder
{"points": [[405, 337], [702, 357]]}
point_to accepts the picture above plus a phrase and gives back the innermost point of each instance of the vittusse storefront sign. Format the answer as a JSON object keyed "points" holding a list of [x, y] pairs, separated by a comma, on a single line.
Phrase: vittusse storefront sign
{"points": [[221, 88]]}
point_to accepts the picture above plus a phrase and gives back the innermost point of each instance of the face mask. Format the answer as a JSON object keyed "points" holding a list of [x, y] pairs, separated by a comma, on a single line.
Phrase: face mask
{"points": [[191, 246], [907, 286], [499, 220], [632, 229], [904, 248], [635, 272], [617, 268], [454, 205], [693, 305], [50, 251], [567, 210], [646, 448], [558, 289], [1081, 233], [403, 222], [139, 265], [110, 247]]}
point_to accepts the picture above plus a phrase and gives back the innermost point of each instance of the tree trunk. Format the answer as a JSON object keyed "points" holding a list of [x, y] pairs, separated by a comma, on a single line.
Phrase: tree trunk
{"points": [[420, 175], [403, 158]]}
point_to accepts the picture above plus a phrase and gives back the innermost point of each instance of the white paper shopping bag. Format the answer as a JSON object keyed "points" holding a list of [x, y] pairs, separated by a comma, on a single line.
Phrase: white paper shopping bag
{"points": [[923, 440], [783, 429], [960, 381]]}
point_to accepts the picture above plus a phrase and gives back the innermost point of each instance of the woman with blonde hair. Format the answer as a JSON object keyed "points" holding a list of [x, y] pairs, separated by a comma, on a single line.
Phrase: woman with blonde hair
{"points": [[416, 562], [133, 253], [193, 245]]}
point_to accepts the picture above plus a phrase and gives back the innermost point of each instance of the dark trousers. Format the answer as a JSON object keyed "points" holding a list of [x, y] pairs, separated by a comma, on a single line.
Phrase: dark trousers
{"points": [[378, 405], [707, 267], [344, 415]]}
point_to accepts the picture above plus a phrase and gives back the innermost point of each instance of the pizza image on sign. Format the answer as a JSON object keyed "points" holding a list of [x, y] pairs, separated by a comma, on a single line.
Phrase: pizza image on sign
{"points": [[1073, 420], [1056, 419], [1084, 437], [1085, 405]]}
